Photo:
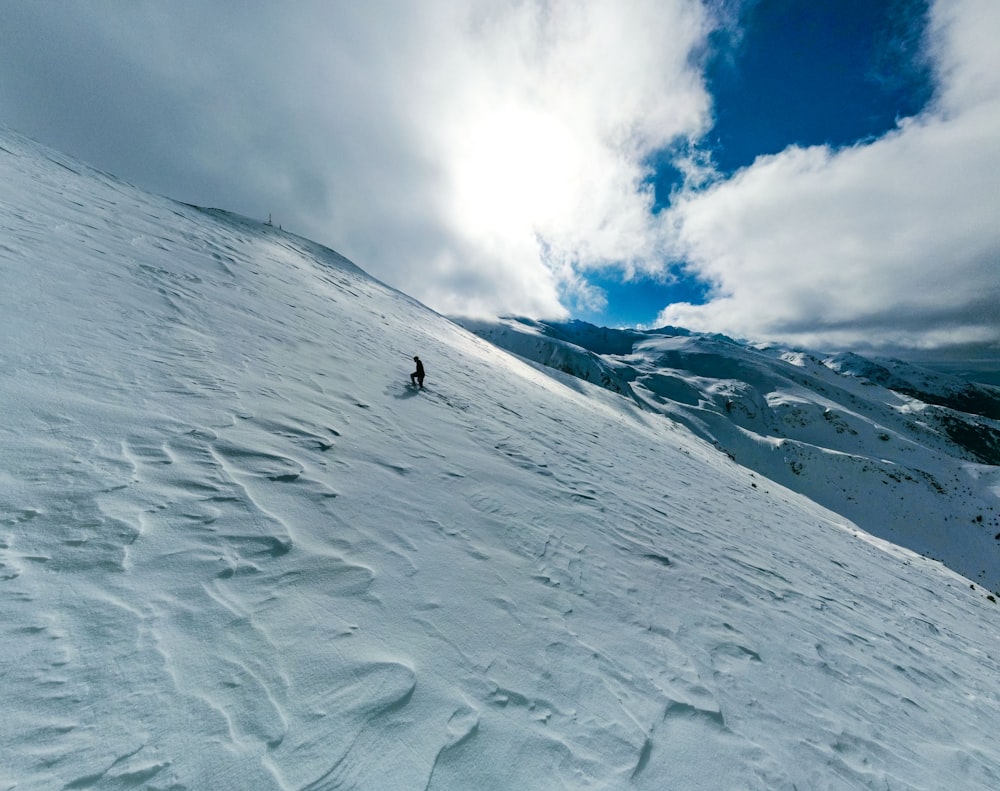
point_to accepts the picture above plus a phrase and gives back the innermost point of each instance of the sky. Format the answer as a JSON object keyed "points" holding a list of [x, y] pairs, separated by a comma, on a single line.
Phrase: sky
{"points": [[815, 173]]}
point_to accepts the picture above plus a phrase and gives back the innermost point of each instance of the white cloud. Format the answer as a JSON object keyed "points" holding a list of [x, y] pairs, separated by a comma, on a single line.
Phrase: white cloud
{"points": [[538, 116], [893, 243]]}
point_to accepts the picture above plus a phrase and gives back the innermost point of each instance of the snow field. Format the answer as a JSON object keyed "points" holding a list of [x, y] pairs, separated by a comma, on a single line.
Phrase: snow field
{"points": [[236, 551]]}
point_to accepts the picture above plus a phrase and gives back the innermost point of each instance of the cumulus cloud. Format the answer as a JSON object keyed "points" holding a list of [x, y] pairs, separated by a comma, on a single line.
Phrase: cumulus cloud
{"points": [[894, 242], [479, 155], [536, 118]]}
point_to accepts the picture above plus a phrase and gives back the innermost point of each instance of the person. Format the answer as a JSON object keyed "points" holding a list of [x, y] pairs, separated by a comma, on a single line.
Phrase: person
{"points": [[417, 377]]}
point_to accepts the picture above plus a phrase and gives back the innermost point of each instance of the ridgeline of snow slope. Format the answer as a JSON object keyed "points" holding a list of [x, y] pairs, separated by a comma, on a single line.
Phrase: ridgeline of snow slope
{"points": [[907, 454], [237, 552]]}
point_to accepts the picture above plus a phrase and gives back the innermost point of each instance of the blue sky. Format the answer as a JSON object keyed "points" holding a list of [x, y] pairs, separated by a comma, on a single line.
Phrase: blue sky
{"points": [[813, 172], [831, 72]]}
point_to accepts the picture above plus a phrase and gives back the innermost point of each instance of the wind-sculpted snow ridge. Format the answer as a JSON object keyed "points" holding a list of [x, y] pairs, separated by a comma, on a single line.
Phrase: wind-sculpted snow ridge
{"points": [[238, 552], [908, 454]]}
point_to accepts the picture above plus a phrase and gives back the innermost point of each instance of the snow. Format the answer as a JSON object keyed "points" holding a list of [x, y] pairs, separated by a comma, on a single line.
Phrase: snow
{"points": [[237, 551], [850, 433]]}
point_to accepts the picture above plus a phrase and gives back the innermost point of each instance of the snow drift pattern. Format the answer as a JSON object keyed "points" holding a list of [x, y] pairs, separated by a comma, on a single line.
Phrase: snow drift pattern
{"points": [[237, 552]]}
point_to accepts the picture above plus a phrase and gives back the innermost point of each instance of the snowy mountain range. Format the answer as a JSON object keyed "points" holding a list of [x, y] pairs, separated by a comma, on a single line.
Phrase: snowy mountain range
{"points": [[907, 454], [238, 551]]}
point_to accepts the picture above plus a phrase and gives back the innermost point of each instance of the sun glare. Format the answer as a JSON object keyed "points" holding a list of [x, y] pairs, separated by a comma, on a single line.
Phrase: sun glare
{"points": [[514, 172]]}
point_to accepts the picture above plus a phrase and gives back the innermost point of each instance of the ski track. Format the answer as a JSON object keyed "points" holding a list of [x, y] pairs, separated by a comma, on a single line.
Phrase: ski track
{"points": [[250, 559]]}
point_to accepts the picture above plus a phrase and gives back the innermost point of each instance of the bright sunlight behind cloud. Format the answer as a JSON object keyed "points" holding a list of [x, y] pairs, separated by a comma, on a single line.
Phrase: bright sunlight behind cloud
{"points": [[546, 114]]}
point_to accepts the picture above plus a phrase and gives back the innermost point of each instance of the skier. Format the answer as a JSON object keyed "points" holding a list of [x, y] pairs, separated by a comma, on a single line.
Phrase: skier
{"points": [[417, 377]]}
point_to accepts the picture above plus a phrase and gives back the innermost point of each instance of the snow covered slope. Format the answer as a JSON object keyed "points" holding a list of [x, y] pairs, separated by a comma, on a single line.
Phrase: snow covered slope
{"points": [[909, 455], [236, 552]]}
